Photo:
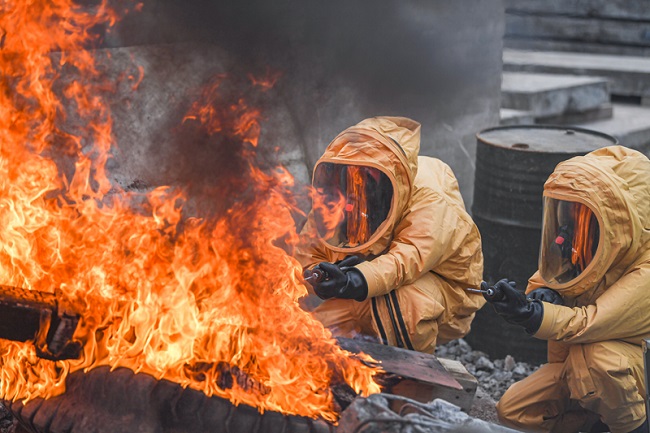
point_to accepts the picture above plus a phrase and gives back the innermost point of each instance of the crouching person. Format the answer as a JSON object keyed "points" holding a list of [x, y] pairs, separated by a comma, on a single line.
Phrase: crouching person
{"points": [[390, 231], [590, 298]]}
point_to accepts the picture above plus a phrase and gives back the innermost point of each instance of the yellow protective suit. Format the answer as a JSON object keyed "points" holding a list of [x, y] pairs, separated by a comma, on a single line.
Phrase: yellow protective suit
{"points": [[419, 264], [595, 366]]}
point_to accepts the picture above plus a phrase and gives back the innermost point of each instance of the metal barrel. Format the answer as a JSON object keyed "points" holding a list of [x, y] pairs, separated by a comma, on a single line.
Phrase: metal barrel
{"points": [[512, 164]]}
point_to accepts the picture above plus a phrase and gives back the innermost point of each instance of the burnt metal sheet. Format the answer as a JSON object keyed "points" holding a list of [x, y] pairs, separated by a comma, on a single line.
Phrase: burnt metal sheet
{"points": [[408, 364]]}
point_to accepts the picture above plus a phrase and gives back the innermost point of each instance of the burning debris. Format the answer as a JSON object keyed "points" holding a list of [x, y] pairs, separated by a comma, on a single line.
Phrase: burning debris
{"points": [[163, 405], [158, 290], [29, 315], [107, 401]]}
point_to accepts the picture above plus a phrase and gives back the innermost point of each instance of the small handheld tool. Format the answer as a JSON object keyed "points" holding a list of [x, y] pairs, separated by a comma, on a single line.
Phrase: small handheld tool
{"points": [[491, 293], [314, 276]]}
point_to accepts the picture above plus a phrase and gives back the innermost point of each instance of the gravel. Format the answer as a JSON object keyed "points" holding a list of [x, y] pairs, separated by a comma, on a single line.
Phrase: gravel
{"points": [[494, 376]]}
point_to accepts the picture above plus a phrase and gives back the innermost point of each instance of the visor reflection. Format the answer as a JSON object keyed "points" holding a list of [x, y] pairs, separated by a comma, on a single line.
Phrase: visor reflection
{"points": [[350, 203]]}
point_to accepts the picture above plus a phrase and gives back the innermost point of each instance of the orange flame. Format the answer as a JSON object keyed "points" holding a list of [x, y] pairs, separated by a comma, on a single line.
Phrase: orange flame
{"points": [[266, 82], [586, 226], [179, 298], [358, 227]]}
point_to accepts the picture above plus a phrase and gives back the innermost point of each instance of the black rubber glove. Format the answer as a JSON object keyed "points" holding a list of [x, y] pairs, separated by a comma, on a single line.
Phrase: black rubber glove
{"points": [[545, 294], [344, 283], [515, 308]]}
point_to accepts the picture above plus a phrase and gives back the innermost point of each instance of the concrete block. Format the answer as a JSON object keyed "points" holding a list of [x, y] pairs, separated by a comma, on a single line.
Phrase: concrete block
{"points": [[526, 43], [628, 75], [620, 27], [557, 27], [552, 94], [515, 117], [604, 111], [622, 9], [630, 125], [437, 62]]}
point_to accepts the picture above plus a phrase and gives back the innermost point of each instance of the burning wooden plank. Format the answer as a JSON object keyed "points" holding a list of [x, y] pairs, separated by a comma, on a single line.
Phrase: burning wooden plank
{"points": [[39, 316], [420, 376]]}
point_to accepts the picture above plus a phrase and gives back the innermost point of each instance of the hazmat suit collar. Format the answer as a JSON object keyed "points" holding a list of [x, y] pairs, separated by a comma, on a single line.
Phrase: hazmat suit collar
{"points": [[390, 144], [614, 182]]}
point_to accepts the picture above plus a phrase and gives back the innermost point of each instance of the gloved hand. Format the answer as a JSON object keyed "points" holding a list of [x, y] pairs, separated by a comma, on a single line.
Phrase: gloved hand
{"points": [[546, 295], [513, 306], [341, 282]]}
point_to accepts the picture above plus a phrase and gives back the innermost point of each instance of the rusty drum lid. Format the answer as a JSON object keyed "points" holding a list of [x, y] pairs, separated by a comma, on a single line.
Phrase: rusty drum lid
{"points": [[546, 138]]}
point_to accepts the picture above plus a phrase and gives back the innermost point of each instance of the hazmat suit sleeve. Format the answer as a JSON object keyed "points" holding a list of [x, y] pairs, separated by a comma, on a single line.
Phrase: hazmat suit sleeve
{"points": [[621, 312], [433, 235]]}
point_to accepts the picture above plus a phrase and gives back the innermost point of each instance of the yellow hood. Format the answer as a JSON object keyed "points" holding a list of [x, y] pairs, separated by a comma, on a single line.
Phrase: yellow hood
{"points": [[615, 183], [390, 144]]}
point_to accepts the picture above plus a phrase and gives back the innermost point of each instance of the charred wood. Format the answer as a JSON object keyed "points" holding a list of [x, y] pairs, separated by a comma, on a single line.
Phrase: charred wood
{"points": [[45, 318]]}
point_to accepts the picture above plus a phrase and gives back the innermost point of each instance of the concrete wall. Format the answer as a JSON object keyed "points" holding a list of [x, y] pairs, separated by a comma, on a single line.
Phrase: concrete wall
{"points": [[620, 27], [341, 61]]}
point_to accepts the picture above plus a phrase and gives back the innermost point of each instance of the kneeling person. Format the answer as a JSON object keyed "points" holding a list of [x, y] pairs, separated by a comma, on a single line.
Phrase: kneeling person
{"points": [[590, 299], [390, 231]]}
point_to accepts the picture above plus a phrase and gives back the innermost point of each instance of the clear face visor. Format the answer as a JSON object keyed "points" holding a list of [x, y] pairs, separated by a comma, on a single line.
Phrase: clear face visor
{"points": [[570, 237], [350, 203]]}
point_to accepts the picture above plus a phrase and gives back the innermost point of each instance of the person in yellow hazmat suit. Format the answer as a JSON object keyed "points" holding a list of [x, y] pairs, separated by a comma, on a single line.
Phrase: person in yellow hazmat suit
{"points": [[390, 239], [590, 298]]}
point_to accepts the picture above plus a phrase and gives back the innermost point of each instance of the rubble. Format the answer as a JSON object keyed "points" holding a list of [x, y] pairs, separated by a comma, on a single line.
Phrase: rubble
{"points": [[374, 414], [494, 376]]}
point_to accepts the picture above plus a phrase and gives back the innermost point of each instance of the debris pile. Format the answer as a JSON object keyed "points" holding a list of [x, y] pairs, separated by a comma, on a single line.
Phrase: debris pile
{"points": [[375, 414], [494, 376]]}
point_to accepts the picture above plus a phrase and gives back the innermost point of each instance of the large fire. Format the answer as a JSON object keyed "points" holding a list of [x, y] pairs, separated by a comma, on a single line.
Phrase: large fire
{"points": [[175, 297]]}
